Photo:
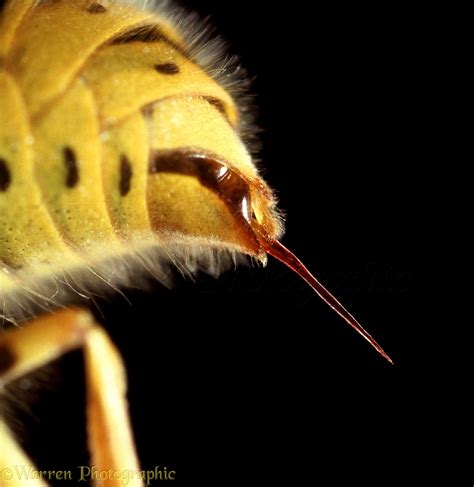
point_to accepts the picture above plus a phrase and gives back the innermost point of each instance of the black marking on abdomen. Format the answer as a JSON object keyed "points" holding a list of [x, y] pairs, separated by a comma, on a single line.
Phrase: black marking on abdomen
{"points": [[7, 359], [126, 174], [70, 161], [5, 176], [149, 33], [167, 68], [96, 8]]}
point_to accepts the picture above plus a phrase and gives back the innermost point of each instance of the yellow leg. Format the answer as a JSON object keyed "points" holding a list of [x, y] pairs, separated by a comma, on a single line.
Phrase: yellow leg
{"points": [[47, 338], [14, 464]]}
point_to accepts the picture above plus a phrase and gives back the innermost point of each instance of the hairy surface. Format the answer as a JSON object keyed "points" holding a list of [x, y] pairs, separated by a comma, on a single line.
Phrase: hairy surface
{"points": [[89, 91]]}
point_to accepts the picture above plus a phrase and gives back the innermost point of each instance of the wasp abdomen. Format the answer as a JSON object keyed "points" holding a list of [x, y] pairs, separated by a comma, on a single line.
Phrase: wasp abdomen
{"points": [[78, 123]]}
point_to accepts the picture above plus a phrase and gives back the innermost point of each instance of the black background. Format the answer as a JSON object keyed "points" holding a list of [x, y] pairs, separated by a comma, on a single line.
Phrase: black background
{"points": [[251, 377]]}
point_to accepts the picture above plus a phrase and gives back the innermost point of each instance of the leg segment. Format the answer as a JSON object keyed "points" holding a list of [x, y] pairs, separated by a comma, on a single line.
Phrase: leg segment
{"points": [[14, 464], [47, 338]]}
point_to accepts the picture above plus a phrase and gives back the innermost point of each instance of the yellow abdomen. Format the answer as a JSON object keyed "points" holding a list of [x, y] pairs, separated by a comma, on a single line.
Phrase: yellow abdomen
{"points": [[82, 106]]}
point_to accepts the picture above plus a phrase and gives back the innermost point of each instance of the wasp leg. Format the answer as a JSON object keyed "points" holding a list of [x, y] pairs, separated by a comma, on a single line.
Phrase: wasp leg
{"points": [[109, 433], [15, 466]]}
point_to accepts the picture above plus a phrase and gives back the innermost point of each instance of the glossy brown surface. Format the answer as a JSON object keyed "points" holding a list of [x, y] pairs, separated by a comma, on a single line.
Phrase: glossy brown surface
{"points": [[215, 175], [281, 253]]}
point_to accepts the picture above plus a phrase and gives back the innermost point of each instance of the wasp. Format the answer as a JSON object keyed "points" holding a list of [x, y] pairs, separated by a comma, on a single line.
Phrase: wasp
{"points": [[122, 151]]}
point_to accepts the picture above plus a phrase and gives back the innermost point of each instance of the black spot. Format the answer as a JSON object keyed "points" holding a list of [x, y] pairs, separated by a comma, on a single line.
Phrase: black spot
{"points": [[5, 176], [167, 68], [7, 359], [70, 161], [96, 8], [125, 175]]}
